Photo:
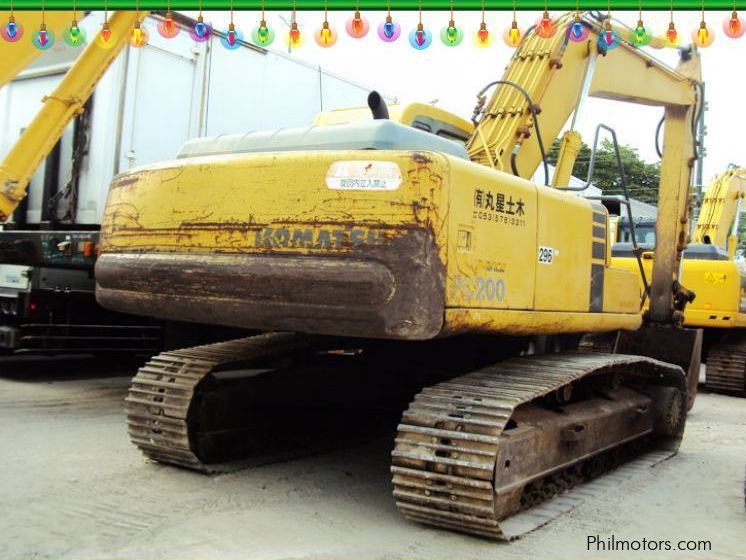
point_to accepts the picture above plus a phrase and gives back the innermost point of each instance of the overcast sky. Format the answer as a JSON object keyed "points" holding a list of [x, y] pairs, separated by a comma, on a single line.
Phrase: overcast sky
{"points": [[453, 75]]}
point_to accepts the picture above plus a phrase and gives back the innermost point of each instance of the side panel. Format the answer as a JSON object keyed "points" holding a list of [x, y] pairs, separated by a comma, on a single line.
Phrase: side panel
{"points": [[492, 239], [564, 249], [717, 285]]}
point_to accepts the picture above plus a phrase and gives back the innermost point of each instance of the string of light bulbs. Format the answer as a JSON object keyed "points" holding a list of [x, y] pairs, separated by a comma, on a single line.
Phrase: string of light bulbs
{"points": [[357, 27]]}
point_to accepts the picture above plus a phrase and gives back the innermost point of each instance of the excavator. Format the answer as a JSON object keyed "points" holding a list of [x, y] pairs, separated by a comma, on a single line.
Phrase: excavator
{"points": [[710, 271], [379, 257]]}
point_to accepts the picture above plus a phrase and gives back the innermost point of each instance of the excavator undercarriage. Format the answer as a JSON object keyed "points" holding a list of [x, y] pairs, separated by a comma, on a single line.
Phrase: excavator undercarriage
{"points": [[466, 450]]}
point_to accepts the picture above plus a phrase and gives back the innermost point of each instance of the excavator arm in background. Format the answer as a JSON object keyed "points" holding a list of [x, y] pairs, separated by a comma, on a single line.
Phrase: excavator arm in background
{"points": [[718, 216], [58, 109], [544, 86]]}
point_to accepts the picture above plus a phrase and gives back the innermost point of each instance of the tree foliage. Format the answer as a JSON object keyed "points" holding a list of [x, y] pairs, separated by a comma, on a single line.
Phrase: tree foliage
{"points": [[642, 177]]}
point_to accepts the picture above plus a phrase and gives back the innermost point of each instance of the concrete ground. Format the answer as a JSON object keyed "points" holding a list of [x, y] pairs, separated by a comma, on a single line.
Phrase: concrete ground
{"points": [[74, 487]]}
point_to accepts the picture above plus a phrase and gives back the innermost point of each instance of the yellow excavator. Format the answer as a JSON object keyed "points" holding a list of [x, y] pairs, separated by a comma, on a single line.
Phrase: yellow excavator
{"points": [[385, 255], [710, 271]]}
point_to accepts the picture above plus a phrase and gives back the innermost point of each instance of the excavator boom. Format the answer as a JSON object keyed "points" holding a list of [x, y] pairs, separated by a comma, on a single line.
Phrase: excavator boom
{"points": [[58, 109], [718, 215]]}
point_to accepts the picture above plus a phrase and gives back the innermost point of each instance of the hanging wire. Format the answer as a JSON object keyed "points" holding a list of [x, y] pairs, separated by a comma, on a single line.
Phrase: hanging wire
{"points": [[388, 8]]}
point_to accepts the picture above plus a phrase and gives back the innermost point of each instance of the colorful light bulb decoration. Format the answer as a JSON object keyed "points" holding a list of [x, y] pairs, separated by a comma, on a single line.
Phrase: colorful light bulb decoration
{"points": [[74, 36], [388, 30], [733, 26], [357, 26], [262, 35], [325, 36], [420, 38], [167, 27], [703, 36], [451, 35], [11, 31], [640, 36], [200, 31], [295, 38], [608, 38], [545, 26], [672, 36], [513, 35], [482, 37], [105, 36], [139, 36], [232, 38], [43, 39], [578, 30]]}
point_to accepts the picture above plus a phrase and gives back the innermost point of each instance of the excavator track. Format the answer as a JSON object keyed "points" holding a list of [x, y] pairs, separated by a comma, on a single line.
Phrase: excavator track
{"points": [[726, 368], [162, 392], [463, 459]]}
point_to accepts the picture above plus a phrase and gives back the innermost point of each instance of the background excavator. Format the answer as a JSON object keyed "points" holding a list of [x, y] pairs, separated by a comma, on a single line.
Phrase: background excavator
{"points": [[383, 259], [47, 302], [710, 270]]}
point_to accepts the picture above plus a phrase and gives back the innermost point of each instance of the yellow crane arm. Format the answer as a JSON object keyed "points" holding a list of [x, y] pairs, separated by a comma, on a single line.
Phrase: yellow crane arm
{"points": [[58, 110], [18, 55], [718, 215], [545, 84]]}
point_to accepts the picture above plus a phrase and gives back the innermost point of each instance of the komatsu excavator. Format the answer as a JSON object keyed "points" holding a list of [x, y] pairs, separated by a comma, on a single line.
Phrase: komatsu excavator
{"points": [[387, 251], [710, 271]]}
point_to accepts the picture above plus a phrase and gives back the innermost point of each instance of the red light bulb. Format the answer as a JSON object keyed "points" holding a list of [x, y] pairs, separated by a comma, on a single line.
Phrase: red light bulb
{"points": [[671, 34], [357, 23], [734, 24], [483, 35], [546, 23]]}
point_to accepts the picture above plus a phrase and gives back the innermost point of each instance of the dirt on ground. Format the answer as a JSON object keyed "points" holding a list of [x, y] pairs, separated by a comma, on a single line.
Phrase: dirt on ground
{"points": [[74, 487]]}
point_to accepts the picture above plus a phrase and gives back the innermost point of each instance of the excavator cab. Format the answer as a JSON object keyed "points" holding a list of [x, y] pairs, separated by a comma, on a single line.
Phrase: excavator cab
{"points": [[417, 115]]}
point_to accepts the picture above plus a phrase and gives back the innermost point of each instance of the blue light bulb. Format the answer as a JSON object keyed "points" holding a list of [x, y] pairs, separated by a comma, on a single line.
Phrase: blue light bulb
{"points": [[388, 29], [11, 29]]}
